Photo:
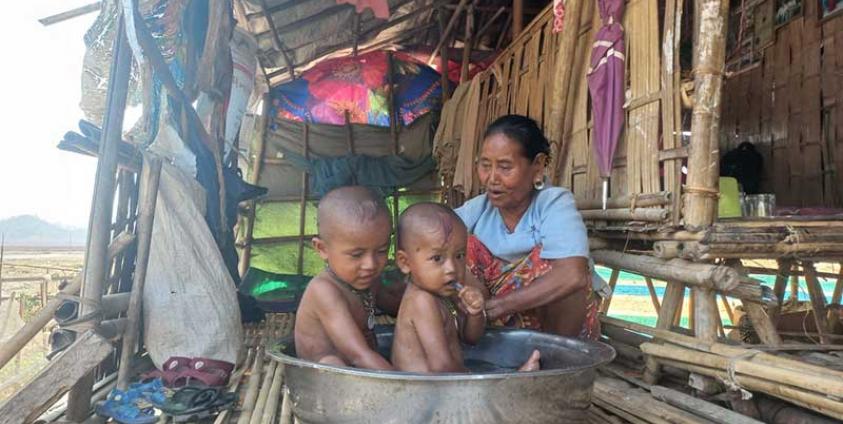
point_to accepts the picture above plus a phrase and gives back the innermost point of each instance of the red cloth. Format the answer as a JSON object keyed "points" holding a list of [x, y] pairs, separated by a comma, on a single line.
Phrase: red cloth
{"points": [[379, 7], [502, 277]]}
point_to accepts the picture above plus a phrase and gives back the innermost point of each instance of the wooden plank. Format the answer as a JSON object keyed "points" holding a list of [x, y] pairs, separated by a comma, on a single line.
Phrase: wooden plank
{"points": [[55, 379]]}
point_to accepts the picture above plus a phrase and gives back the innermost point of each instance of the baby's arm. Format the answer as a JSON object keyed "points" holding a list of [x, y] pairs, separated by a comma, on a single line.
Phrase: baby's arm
{"points": [[430, 329], [473, 306], [339, 324]]}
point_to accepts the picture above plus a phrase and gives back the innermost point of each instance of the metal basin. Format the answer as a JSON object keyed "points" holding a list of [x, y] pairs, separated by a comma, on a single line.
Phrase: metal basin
{"points": [[559, 393]]}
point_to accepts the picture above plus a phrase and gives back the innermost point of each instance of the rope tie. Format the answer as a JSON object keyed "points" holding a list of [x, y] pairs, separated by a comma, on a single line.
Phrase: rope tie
{"points": [[702, 191], [706, 70], [731, 379]]}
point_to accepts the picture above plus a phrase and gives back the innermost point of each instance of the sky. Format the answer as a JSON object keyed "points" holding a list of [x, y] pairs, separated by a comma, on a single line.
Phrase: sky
{"points": [[40, 90]]}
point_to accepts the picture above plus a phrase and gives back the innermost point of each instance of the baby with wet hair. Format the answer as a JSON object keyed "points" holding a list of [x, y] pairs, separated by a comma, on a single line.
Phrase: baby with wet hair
{"points": [[336, 315], [440, 308]]}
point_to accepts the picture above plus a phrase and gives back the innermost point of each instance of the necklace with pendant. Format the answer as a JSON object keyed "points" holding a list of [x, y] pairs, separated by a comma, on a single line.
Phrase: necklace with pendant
{"points": [[366, 297], [452, 309]]}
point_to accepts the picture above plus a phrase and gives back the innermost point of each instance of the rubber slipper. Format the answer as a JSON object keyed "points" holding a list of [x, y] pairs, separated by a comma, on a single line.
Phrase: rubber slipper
{"points": [[121, 407], [223, 402], [188, 400], [152, 390], [171, 370], [208, 372]]}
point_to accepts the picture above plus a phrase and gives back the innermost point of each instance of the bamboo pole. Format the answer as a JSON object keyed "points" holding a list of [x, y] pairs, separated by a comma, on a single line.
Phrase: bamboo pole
{"points": [[671, 302], [252, 386], [833, 320], [254, 178], [443, 56], [305, 184], [394, 130], [716, 277], [263, 394], [653, 297], [630, 201], [667, 249], [150, 178], [562, 82], [705, 314], [517, 17], [779, 287], [808, 400], [468, 41], [710, 22], [444, 36], [613, 280], [286, 408], [271, 408], [94, 273], [817, 296], [647, 215], [700, 407]]}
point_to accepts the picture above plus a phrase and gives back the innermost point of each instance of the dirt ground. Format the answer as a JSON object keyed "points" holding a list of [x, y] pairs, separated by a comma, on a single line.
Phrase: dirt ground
{"points": [[22, 299]]}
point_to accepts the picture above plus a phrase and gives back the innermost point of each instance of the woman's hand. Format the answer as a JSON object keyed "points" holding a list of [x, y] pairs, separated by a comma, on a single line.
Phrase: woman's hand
{"points": [[496, 308]]}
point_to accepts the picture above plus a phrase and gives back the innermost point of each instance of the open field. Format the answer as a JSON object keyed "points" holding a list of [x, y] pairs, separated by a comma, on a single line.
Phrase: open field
{"points": [[21, 299]]}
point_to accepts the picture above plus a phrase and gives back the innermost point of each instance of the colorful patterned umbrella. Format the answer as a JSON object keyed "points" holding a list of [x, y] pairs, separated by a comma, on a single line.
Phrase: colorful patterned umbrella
{"points": [[358, 85], [606, 83]]}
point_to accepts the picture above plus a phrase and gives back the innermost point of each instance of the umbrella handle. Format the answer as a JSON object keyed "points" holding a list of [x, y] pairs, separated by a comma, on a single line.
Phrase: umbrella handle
{"points": [[605, 192]]}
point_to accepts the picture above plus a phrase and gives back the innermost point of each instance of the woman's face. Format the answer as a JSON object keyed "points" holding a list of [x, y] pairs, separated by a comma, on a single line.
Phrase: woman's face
{"points": [[506, 173]]}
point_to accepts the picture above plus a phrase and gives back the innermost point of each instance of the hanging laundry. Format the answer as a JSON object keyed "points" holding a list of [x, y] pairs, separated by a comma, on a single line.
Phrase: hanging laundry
{"points": [[558, 16]]}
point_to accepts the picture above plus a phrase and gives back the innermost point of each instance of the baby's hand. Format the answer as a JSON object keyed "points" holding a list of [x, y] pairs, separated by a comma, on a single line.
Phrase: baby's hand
{"points": [[472, 300]]}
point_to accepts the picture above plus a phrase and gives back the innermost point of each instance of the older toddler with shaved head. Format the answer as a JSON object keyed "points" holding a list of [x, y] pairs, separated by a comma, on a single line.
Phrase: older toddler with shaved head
{"points": [[336, 315]]}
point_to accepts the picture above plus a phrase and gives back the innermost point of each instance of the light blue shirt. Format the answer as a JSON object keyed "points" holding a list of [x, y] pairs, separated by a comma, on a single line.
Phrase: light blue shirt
{"points": [[551, 220]]}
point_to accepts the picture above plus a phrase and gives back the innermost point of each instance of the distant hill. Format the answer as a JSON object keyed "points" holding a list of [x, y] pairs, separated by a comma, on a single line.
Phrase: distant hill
{"points": [[29, 230]]}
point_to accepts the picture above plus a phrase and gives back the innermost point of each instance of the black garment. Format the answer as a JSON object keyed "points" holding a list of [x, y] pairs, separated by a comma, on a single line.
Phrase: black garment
{"points": [[745, 164]]}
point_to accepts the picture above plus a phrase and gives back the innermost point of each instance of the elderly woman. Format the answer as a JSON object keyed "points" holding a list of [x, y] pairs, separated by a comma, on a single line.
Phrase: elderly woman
{"points": [[528, 243]]}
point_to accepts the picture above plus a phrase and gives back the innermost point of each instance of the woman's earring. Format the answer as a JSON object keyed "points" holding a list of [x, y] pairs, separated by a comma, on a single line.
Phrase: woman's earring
{"points": [[538, 185]]}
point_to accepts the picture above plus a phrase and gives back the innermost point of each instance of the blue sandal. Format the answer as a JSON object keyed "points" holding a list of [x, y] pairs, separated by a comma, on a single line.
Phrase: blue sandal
{"points": [[122, 407]]}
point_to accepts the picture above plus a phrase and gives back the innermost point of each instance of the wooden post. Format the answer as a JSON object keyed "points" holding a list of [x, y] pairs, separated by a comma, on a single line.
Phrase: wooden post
{"points": [[443, 57], [671, 301], [254, 178], [96, 264], [150, 177], [468, 41], [710, 22], [518, 17], [394, 129], [815, 291], [305, 185], [613, 280]]}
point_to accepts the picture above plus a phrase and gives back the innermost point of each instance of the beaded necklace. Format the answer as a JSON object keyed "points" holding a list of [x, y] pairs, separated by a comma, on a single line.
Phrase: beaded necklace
{"points": [[366, 297]]}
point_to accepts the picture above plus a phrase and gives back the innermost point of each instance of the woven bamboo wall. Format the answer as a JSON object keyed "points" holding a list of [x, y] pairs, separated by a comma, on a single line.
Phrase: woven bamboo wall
{"points": [[789, 107], [521, 82]]}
